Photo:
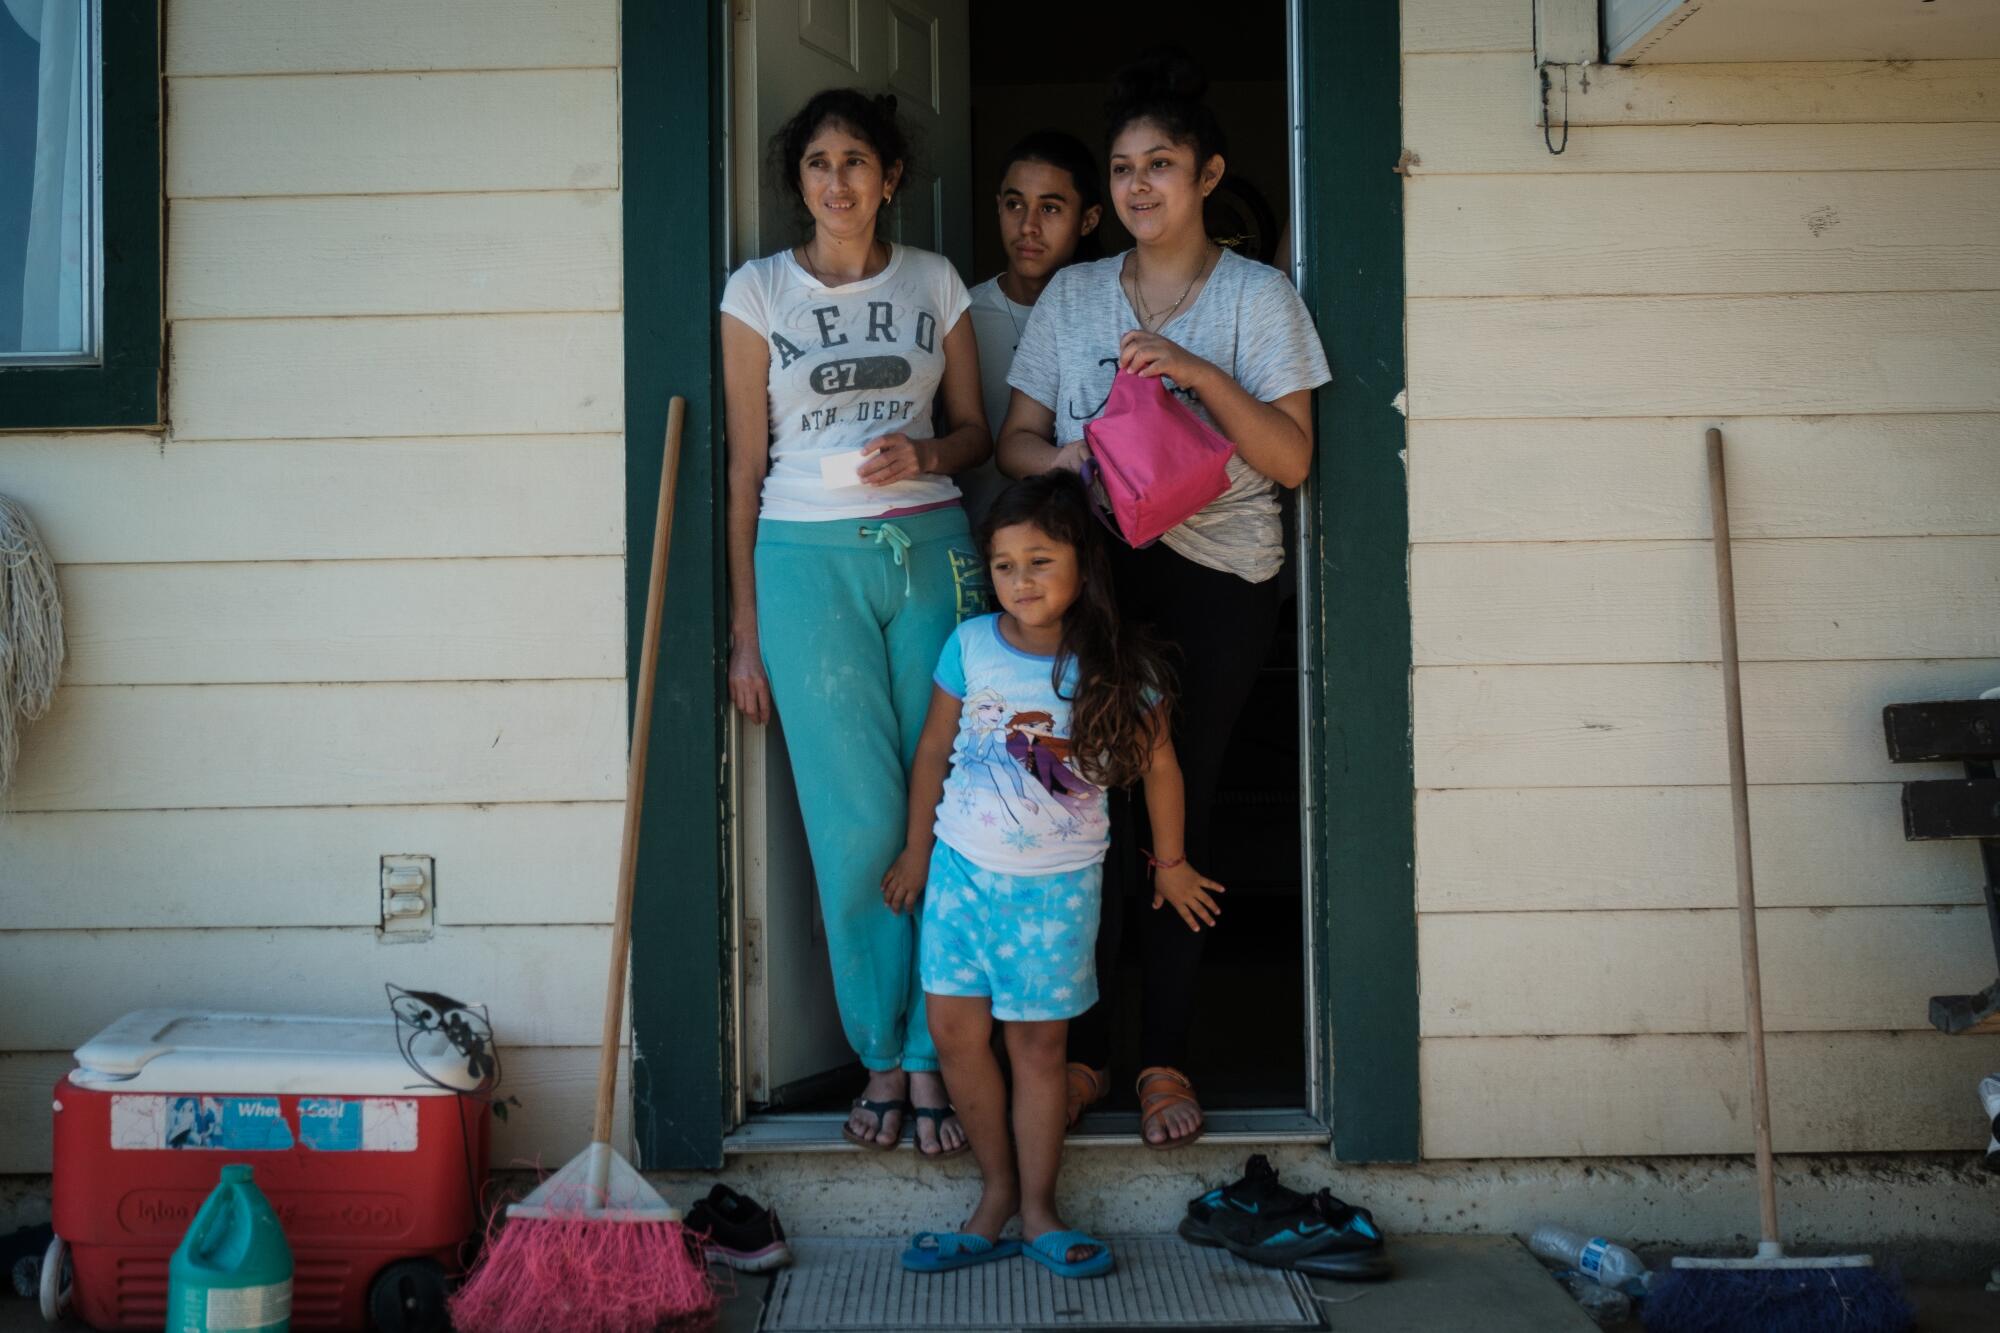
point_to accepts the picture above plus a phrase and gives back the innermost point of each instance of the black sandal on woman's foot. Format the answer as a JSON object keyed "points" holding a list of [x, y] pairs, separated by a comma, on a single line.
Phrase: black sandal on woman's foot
{"points": [[880, 1110], [937, 1115]]}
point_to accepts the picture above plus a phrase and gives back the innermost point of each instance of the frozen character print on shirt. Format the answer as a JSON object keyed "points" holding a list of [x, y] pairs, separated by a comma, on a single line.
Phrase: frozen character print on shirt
{"points": [[1021, 782], [986, 714], [1034, 745]]}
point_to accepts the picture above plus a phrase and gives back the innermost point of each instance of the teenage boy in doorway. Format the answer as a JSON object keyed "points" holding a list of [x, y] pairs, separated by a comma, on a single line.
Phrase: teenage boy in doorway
{"points": [[1050, 203]]}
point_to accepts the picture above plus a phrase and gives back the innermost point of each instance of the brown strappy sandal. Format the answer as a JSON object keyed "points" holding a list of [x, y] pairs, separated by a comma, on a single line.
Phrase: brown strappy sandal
{"points": [[1155, 1101], [1087, 1087]]}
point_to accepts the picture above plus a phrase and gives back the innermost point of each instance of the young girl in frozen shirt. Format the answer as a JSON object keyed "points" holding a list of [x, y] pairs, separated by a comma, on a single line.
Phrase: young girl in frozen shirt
{"points": [[1036, 711]]}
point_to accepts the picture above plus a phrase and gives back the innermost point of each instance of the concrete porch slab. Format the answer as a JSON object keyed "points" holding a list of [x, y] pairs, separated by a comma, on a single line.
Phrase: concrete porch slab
{"points": [[1430, 1294], [1489, 1283]]}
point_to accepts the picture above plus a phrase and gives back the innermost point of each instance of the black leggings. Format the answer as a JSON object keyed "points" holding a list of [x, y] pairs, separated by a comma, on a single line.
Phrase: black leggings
{"points": [[1219, 629]]}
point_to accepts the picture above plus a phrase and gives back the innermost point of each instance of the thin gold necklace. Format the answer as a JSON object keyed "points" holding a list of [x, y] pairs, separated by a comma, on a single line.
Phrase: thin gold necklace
{"points": [[805, 256], [1152, 321]]}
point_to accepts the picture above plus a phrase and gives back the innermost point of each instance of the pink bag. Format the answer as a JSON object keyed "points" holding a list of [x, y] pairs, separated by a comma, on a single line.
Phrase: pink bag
{"points": [[1153, 463]]}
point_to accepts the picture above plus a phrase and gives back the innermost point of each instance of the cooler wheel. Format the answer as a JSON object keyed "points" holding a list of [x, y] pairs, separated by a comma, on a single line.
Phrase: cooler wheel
{"points": [[408, 1297], [55, 1281]]}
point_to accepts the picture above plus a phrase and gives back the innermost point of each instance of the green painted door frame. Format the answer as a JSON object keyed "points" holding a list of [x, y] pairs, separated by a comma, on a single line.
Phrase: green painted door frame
{"points": [[671, 131], [673, 76], [1364, 787]]}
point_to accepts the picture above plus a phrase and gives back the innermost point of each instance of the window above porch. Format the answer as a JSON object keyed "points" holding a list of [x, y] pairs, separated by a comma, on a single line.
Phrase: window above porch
{"points": [[80, 280], [1738, 31]]}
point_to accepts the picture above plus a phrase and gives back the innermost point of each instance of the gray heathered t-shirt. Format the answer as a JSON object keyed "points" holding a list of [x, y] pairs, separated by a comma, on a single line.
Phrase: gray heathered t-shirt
{"points": [[1247, 320]]}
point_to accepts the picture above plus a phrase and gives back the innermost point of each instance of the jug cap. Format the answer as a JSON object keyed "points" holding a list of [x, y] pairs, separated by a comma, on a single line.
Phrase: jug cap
{"points": [[237, 1173]]}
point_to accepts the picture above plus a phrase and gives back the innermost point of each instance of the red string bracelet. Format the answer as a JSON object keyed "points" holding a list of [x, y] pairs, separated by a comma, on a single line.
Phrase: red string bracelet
{"points": [[1155, 863]]}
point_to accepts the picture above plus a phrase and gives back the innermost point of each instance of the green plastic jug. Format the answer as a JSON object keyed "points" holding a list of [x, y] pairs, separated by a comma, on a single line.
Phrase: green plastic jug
{"points": [[233, 1270]]}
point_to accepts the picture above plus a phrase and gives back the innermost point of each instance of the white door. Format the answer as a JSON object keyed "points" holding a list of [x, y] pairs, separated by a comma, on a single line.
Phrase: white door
{"points": [[919, 50], [785, 51]]}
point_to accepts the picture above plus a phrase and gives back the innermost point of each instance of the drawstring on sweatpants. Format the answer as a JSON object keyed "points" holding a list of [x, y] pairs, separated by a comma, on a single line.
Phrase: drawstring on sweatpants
{"points": [[898, 542]]}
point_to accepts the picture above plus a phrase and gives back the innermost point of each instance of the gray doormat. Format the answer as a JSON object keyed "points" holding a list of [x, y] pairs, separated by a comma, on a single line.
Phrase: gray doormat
{"points": [[859, 1286]]}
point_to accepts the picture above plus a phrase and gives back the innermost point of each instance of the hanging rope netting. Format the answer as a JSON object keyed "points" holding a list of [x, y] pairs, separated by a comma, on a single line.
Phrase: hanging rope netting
{"points": [[31, 637]]}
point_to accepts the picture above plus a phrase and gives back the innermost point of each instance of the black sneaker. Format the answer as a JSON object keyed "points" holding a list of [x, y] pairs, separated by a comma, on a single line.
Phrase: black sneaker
{"points": [[1257, 1194], [1325, 1238], [738, 1231], [1358, 1252]]}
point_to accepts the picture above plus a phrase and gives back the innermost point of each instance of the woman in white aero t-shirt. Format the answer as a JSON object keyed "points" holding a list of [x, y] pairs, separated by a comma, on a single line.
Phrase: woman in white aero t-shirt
{"points": [[850, 561]]}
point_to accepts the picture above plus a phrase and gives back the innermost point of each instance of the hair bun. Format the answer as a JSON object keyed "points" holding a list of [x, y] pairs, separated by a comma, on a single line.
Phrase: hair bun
{"points": [[1163, 72], [887, 102]]}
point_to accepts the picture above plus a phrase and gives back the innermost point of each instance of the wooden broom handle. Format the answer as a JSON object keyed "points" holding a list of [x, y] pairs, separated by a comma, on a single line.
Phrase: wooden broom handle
{"points": [[1739, 809], [635, 779]]}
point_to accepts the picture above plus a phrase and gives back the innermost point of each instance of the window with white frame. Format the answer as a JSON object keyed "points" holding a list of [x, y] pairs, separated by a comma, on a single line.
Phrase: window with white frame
{"points": [[51, 215]]}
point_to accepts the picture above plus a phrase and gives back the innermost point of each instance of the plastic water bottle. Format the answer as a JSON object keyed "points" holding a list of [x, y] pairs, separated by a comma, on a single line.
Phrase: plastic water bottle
{"points": [[233, 1270], [1595, 1257]]}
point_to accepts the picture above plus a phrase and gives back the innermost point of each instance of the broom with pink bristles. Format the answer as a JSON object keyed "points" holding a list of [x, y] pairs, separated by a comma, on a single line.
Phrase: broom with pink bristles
{"points": [[595, 1249]]}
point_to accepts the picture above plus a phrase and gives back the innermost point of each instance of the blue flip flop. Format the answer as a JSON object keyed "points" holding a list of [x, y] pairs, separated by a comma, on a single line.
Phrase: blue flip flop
{"points": [[1049, 1249], [942, 1251]]}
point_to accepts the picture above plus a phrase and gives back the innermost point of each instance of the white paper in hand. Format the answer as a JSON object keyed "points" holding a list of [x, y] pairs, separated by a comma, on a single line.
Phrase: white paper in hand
{"points": [[840, 471]]}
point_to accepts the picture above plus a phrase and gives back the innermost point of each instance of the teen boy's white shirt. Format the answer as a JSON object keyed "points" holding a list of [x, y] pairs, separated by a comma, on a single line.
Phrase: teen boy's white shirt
{"points": [[997, 320]]}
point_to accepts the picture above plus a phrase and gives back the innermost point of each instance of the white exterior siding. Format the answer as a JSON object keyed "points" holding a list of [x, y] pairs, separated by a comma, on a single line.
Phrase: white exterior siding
{"points": [[367, 594], [1805, 256]]}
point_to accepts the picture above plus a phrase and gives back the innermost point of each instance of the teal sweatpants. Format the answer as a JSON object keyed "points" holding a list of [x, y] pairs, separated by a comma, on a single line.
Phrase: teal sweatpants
{"points": [[851, 616]]}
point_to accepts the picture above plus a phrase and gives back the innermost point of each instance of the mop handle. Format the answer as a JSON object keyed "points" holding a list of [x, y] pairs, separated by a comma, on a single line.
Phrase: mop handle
{"points": [[635, 786], [1739, 809]]}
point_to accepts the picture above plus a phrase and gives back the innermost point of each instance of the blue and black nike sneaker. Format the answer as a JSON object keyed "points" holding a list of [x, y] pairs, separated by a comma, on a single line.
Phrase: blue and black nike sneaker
{"points": [[1327, 1238], [1356, 1251], [1257, 1194]]}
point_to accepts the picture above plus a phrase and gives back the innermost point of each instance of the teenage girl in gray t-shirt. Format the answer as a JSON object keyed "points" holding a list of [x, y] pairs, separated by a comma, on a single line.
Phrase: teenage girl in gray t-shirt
{"points": [[1233, 341]]}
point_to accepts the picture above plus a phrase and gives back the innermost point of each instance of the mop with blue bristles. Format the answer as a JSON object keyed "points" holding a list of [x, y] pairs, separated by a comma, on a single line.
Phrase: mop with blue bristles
{"points": [[1771, 1291]]}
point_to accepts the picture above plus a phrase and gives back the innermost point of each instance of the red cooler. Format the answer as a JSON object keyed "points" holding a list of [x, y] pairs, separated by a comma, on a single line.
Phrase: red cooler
{"points": [[375, 1173]]}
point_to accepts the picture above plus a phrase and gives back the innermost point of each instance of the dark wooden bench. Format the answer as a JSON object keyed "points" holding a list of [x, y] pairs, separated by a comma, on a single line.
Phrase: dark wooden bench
{"points": [[1963, 731]]}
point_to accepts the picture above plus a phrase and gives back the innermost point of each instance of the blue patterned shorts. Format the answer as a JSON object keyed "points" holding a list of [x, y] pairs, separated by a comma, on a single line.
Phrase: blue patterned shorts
{"points": [[1029, 942]]}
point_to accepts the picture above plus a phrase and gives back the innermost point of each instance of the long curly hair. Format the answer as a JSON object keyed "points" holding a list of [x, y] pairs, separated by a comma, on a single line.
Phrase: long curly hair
{"points": [[1124, 685]]}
